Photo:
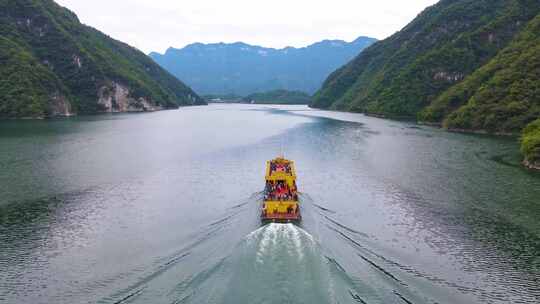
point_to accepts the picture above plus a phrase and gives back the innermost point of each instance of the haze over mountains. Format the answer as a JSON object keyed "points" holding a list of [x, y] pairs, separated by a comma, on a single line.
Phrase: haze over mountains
{"points": [[240, 68]]}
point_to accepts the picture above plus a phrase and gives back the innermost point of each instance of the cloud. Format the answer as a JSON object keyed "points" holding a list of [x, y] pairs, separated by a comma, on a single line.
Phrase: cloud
{"points": [[154, 25]]}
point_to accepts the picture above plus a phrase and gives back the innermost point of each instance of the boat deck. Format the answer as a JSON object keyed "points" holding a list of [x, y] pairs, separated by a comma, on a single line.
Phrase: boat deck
{"points": [[280, 193], [281, 217]]}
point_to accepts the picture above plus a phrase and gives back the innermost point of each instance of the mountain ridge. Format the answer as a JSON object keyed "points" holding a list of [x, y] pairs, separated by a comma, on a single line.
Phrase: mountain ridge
{"points": [[241, 68], [358, 40]]}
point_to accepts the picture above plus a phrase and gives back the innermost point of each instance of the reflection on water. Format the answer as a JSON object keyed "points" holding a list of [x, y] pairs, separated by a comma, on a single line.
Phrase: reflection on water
{"points": [[163, 208]]}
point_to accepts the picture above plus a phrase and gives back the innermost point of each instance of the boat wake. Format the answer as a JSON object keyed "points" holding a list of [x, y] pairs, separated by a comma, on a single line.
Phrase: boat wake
{"points": [[275, 263]]}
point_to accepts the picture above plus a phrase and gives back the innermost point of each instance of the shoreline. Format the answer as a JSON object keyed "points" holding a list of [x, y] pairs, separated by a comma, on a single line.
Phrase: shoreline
{"points": [[481, 132], [525, 163], [427, 123], [62, 116], [531, 166]]}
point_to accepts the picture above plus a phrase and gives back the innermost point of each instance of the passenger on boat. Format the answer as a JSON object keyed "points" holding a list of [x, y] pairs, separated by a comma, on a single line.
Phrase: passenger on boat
{"points": [[290, 209], [280, 191], [278, 167]]}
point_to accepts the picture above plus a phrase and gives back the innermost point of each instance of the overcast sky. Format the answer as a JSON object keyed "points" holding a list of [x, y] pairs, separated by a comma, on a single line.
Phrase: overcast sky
{"points": [[155, 25]]}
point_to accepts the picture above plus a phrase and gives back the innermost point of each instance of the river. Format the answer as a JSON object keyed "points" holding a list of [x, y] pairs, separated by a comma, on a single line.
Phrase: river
{"points": [[163, 208]]}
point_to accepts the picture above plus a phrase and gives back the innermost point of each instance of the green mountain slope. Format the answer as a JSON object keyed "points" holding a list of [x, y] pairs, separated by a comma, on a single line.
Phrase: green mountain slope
{"points": [[501, 96], [26, 86], [279, 97], [51, 64], [403, 74], [468, 64], [530, 145]]}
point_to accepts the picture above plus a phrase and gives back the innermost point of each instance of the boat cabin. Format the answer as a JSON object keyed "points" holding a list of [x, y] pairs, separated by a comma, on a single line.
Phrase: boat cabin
{"points": [[280, 194]]}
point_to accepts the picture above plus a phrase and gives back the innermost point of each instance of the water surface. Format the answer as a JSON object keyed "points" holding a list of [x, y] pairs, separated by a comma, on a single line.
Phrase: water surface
{"points": [[163, 208]]}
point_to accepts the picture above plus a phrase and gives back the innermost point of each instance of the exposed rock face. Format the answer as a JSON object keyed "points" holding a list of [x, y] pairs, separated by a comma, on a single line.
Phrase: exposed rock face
{"points": [[116, 98], [77, 61], [532, 165], [60, 106], [449, 77]]}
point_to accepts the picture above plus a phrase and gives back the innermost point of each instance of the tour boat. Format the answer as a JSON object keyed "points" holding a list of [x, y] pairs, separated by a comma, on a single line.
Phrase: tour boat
{"points": [[280, 203]]}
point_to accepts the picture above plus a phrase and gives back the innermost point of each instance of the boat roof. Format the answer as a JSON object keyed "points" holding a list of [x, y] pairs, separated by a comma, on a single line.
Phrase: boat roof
{"points": [[280, 175]]}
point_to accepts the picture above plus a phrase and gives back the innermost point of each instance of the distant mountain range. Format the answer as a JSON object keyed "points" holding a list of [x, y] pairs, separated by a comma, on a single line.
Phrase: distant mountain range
{"points": [[53, 65], [240, 68], [469, 65]]}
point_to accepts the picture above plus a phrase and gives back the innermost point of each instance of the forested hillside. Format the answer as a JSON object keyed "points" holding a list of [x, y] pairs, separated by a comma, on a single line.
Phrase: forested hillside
{"points": [[51, 64], [279, 97], [401, 75], [466, 64], [501, 96], [530, 145]]}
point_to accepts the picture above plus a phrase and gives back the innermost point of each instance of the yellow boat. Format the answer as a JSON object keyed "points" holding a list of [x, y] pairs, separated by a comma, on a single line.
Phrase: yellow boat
{"points": [[280, 193]]}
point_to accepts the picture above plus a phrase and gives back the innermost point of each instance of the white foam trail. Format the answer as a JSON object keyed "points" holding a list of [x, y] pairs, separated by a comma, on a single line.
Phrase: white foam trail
{"points": [[273, 235], [296, 237], [268, 235]]}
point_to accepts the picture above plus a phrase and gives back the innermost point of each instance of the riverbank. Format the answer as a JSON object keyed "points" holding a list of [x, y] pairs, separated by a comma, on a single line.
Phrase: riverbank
{"points": [[526, 163], [518, 136], [531, 165], [68, 115], [481, 132], [530, 145]]}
